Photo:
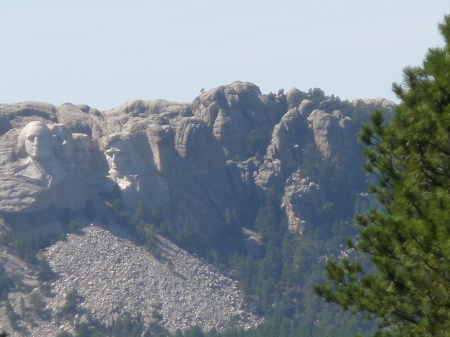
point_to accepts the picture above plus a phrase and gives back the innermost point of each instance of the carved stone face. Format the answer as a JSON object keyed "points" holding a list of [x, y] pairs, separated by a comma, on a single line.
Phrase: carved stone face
{"points": [[38, 142], [64, 147], [118, 156], [83, 146]]}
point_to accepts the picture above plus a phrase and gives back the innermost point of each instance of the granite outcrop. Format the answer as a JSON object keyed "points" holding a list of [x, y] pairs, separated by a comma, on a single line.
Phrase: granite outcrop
{"points": [[190, 161], [192, 164]]}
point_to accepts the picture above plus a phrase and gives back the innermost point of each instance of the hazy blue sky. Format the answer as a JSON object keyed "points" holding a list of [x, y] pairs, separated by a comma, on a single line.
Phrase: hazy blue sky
{"points": [[104, 53]]}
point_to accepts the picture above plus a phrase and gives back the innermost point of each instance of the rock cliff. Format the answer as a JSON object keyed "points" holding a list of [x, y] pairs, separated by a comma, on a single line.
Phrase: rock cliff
{"points": [[186, 165]]}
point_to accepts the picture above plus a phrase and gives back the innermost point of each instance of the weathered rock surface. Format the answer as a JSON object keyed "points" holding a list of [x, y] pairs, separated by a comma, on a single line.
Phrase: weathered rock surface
{"points": [[300, 200], [235, 110], [289, 137], [169, 159], [375, 103], [192, 163], [328, 130], [114, 276]]}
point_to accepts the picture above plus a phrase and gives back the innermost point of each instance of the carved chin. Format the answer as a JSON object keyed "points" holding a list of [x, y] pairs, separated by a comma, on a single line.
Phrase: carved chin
{"points": [[39, 155]]}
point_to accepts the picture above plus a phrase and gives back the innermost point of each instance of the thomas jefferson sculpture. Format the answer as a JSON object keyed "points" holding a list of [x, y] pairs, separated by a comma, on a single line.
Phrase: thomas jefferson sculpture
{"points": [[63, 143], [82, 151]]}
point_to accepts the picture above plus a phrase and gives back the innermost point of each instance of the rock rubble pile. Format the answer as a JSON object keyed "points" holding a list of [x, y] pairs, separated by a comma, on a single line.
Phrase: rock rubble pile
{"points": [[114, 276]]}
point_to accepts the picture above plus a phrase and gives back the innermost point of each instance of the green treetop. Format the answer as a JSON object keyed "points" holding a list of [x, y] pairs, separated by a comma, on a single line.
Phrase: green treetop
{"points": [[407, 286]]}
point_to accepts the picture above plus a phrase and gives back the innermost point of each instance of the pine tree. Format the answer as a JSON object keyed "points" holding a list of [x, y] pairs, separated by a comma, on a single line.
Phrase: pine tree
{"points": [[407, 286], [13, 317]]}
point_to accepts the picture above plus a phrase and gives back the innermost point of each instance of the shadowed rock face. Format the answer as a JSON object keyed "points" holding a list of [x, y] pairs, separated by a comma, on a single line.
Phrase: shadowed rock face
{"points": [[190, 161], [153, 152], [234, 111], [195, 163]]}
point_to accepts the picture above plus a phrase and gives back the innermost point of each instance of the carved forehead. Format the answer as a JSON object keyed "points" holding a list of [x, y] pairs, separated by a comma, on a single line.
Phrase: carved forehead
{"points": [[82, 141], [61, 130], [117, 142], [118, 147], [37, 128]]}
